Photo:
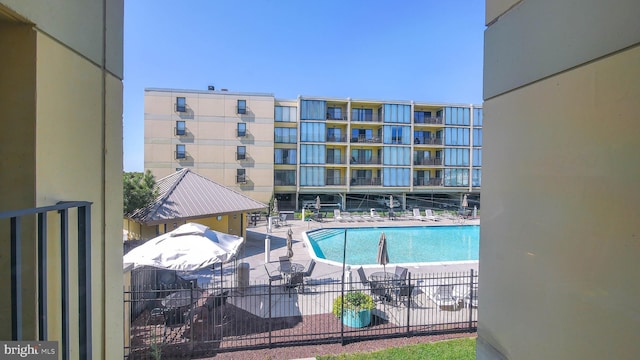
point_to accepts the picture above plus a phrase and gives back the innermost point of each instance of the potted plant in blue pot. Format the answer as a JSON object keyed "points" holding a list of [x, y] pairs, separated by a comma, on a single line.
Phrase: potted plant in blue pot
{"points": [[354, 309]]}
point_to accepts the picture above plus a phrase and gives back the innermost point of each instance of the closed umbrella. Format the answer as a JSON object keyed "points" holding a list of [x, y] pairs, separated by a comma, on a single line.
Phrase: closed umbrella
{"points": [[383, 255], [289, 243], [318, 203], [465, 204], [391, 201], [275, 206]]}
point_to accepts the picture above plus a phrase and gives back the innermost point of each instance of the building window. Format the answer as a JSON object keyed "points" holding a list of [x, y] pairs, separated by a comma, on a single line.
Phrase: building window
{"points": [[397, 135], [456, 177], [284, 177], [181, 151], [181, 128], [241, 152], [242, 130], [334, 113], [285, 135], [285, 156], [242, 106], [361, 114], [286, 114], [241, 176], [421, 117], [456, 137], [394, 113], [181, 104], [313, 132], [456, 157], [313, 109]]}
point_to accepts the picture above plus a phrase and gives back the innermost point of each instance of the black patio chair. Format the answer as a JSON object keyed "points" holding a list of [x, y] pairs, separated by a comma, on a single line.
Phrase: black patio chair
{"points": [[296, 280], [402, 274], [276, 277]]}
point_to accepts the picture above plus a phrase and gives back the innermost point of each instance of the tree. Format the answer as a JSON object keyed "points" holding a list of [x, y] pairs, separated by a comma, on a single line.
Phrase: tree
{"points": [[139, 190]]}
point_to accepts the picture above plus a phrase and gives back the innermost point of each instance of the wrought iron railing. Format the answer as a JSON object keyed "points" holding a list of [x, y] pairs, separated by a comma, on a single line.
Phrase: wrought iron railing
{"points": [[83, 258], [211, 319]]}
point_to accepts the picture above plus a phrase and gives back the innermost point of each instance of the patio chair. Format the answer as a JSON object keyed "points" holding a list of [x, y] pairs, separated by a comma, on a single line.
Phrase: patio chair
{"points": [[272, 278], [296, 281], [471, 298], [443, 296], [429, 215], [282, 220], [417, 216], [375, 216], [337, 216], [309, 270], [363, 277], [406, 291], [285, 264], [402, 274]]}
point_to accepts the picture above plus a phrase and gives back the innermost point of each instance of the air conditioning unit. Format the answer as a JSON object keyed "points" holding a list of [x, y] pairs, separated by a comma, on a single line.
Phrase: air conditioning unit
{"points": [[211, 88]]}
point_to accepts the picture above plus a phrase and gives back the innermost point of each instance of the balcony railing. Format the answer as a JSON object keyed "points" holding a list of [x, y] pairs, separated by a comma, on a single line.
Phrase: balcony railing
{"points": [[180, 155], [180, 131], [427, 141], [335, 160], [340, 139], [368, 140], [429, 120], [372, 161], [82, 258], [331, 116], [277, 182], [427, 182], [241, 156], [332, 181], [241, 179], [435, 162], [364, 181]]}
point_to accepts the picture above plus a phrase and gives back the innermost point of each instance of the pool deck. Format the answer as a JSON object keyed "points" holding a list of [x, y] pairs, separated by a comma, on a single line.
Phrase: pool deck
{"points": [[253, 251]]}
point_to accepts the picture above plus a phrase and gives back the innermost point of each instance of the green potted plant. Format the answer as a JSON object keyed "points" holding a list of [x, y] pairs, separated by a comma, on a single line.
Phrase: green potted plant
{"points": [[354, 309]]}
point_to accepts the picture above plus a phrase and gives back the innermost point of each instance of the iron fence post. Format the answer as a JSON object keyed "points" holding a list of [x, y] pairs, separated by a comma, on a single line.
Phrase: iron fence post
{"points": [[470, 297], [270, 320], [408, 300]]}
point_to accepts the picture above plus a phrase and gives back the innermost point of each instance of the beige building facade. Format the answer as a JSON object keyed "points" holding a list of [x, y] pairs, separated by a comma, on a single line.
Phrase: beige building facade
{"points": [[352, 153], [559, 235], [61, 91]]}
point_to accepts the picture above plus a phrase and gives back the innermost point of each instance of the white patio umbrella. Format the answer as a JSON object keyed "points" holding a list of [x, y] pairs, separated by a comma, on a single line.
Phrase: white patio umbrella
{"points": [[383, 255], [318, 203], [189, 247], [275, 206], [465, 203]]}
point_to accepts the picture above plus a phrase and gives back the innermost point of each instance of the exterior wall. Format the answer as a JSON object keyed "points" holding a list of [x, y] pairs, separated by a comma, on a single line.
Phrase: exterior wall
{"points": [[230, 224], [558, 244], [67, 131], [211, 139]]}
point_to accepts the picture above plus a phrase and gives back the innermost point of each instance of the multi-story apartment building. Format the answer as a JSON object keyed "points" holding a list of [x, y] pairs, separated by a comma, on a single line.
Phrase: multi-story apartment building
{"points": [[353, 153]]}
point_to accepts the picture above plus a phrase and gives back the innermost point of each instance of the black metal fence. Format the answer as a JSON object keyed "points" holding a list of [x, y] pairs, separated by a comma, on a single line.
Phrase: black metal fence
{"points": [[202, 320]]}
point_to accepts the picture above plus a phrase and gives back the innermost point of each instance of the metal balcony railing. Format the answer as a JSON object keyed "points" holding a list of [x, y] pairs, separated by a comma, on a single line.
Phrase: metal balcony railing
{"points": [[340, 139], [426, 141], [364, 181], [373, 161], [335, 160], [434, 162], [241, 179], [332, 181], [82, 259], [429, 120], [365, 139], [180, 155], [427, 182]]}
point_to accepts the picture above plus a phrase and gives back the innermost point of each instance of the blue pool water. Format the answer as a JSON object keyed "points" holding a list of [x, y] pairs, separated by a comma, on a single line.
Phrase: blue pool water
{"points": [[404, 244]]}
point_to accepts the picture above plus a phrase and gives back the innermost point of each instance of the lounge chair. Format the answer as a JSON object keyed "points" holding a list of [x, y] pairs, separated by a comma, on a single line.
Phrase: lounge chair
{"points": [[443, 296], [337, 216], [471, 298], [363, 277], [417, 216], [429, 215]]}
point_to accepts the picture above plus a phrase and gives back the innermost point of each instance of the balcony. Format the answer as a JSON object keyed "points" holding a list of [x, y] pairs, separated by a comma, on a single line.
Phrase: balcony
{"points": [[278, 182], [360, 161], [367, 140], [426, 141], [340, 117], [427, 182], [340, 139], [429, 121], [428, 162], [335, 160], [332, 181], [365, 181], [75, 273]]}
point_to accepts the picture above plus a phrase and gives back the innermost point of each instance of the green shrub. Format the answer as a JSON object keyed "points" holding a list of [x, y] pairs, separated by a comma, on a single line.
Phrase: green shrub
{"points": [[355, 301]]}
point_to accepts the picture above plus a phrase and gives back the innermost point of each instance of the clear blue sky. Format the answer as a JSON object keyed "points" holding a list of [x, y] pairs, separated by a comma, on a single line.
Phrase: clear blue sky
{"points": [[423, 50]]}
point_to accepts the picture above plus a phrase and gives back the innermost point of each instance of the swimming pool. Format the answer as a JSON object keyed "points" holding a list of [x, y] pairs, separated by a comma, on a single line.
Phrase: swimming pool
{"points": [[423, 244]]}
